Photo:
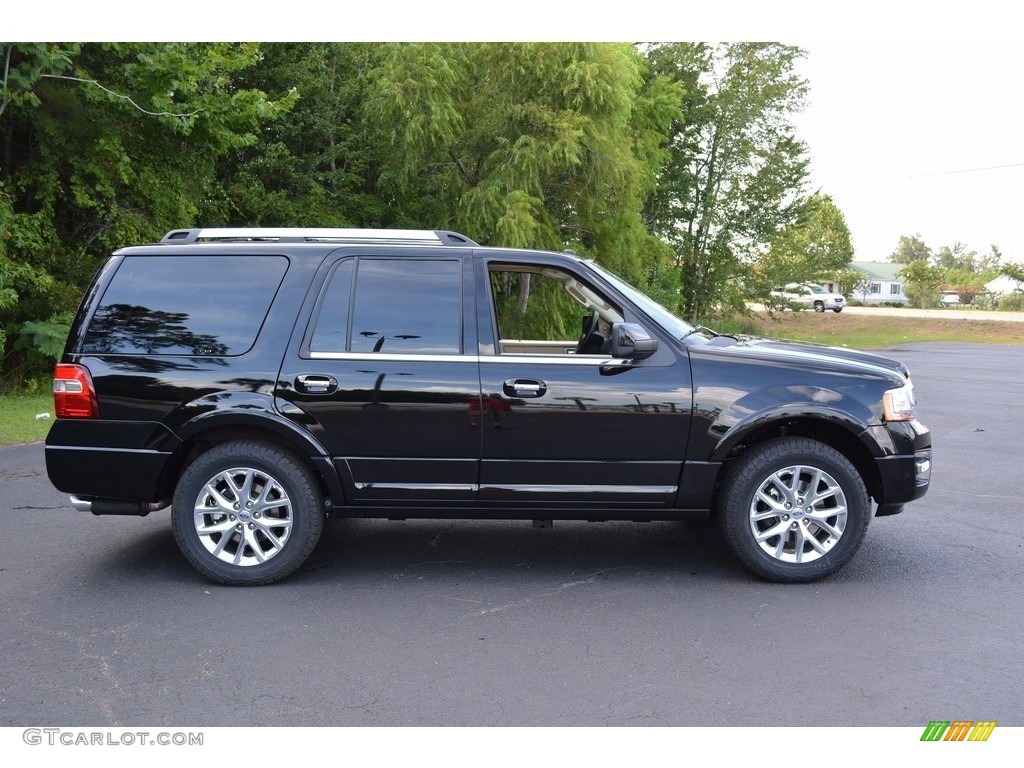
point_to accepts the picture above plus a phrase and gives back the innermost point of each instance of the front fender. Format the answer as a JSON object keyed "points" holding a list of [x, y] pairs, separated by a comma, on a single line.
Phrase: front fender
{"points": [[765, 409]]}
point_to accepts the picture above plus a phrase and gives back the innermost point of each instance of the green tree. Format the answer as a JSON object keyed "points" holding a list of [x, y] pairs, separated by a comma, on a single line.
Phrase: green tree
{"points": [[320, 163], [106, 144], [535, 145], [922, 280], [524, 144], [958, 257], [1013, 270], [814, 247], [736, 169], [910, 249]]}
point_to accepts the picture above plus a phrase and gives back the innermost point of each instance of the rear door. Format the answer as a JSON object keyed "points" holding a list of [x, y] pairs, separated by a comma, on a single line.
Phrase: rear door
{"points": [[382, 376]]}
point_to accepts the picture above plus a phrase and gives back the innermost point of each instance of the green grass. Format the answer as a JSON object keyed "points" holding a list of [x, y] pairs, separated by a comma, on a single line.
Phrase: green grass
{"points": [[875, 332], [18, 423]]}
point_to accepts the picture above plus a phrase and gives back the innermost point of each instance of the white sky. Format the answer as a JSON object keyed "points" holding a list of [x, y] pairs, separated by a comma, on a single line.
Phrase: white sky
{"points": [[919, 138], [915, 112]]}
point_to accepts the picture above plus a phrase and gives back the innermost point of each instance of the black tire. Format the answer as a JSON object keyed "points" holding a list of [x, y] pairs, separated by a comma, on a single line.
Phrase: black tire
{"points": [[261, 510], [811, 539], [837, 310], [819, 306]]}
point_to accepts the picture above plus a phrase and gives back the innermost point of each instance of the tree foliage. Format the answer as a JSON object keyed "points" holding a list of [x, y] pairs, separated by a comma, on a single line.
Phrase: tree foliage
{"points": [[949, 268], [910, 249], [536, 145], [736, 170], [815, 246], [675, 165], [530, 145], [107, 144], [319, 164], [923, 280]]}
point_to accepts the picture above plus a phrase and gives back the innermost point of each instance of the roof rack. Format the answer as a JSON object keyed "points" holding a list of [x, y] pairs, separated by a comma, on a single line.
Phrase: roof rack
{"points": [[317, 235]]}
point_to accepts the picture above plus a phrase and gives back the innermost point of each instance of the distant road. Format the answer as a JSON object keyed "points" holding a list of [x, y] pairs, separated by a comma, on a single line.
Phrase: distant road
{"points": [[945, 314], [951, 313]]}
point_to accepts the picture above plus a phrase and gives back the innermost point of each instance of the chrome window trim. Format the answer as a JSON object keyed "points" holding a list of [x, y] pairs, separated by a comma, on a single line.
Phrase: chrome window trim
{"points": [[595, 360]]}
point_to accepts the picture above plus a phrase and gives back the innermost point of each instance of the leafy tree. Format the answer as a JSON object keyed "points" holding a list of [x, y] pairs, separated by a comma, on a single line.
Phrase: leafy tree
{"points": [[815, 246], [320, 163], [104, 144], [535, 145], [525, 144], [910, 249], [922, 281], [957, 257], [736, 168], [1013, 270]]}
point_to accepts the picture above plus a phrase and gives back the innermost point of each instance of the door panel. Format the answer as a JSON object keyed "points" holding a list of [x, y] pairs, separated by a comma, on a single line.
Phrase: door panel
{"points": [[588, 439], [382, 380]]}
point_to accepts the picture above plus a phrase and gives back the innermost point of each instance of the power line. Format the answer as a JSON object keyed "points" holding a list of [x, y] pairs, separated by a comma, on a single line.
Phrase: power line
{"points": [[966, 170]]}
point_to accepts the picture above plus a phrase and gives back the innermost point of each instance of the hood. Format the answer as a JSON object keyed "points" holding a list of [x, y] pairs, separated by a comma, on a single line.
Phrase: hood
{"points": [[820, 350], [808, 350]]}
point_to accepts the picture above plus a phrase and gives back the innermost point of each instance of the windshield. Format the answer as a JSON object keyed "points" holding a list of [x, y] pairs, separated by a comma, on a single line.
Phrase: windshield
{"points": [[678, 328]]}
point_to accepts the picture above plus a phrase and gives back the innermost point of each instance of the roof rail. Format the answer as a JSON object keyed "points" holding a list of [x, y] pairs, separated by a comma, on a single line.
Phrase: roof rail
{"points": [[318, 235]]}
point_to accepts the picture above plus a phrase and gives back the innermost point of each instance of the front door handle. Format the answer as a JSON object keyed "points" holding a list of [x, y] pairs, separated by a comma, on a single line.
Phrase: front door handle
{"points": [[316, 384], [524, 388]]}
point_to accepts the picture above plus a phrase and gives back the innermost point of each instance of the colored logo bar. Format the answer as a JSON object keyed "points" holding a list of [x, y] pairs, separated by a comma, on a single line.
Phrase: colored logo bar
{"points": [[958, 730]]}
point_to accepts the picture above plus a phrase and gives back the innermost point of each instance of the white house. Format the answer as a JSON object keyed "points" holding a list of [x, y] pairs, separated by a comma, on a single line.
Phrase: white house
{"points": [[881, 284], [1003, 285]]}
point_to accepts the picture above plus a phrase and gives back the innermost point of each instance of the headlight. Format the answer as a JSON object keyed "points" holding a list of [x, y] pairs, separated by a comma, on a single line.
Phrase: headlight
{"points": [[899, 404]]}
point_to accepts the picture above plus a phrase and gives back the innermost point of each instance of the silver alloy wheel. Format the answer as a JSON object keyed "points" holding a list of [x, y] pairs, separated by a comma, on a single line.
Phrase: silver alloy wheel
{"points": [[243, 516], [798, 514]]}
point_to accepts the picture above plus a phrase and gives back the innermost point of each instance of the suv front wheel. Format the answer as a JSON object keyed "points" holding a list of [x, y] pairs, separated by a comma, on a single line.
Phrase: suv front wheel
{"points": [[794, 509], [247, 513]]}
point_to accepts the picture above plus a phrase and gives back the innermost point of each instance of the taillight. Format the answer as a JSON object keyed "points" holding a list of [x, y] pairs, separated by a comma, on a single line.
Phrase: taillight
{"points": [[73, 394]]}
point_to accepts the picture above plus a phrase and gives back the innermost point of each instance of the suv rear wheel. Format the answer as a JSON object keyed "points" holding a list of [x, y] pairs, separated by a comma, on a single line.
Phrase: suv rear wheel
{"points": [[794, 509], [247, 513]]}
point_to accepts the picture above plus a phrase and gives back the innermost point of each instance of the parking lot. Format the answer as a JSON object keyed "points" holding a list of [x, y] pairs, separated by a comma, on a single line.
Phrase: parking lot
{"points": [[444, 623]]}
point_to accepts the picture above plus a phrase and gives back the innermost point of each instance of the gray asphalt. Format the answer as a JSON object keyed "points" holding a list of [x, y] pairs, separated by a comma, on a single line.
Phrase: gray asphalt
{"points": [[500, 624]]}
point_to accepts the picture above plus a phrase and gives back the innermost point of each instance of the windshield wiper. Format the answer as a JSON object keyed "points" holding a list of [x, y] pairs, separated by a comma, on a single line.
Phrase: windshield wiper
{"points": [[703, 329]]}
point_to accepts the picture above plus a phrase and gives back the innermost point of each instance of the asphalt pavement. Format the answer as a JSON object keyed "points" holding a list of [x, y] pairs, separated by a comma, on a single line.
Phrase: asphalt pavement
{"points": [[463, 623]]}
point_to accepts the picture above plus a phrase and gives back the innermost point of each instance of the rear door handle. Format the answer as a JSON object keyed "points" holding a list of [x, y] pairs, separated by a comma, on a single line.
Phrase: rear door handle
{"points": [[524, 388], [316, 384]]}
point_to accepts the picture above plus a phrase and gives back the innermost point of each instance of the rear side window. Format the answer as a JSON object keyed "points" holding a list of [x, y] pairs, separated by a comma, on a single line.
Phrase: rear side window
{"points": [[397, 306], [185, 305]]}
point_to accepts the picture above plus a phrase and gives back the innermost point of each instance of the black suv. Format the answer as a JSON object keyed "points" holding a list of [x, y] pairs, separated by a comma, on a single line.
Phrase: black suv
{"points": [[258, 381]]}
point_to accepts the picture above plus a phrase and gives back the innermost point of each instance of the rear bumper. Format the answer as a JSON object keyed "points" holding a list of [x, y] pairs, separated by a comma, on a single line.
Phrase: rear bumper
{"points": [[106, 473]]}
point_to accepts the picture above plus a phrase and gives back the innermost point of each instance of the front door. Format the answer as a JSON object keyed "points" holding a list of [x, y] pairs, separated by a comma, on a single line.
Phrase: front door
{"points": [[564, 428]]}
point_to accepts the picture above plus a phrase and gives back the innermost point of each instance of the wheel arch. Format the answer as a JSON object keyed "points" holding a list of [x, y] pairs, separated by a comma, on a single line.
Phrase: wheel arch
{"points": [[215, 428], [834, 429]]}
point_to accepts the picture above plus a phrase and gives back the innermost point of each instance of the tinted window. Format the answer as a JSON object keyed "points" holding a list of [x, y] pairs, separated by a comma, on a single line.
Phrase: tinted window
{"points": [[175, 305], [331, 331], [405, 306]]}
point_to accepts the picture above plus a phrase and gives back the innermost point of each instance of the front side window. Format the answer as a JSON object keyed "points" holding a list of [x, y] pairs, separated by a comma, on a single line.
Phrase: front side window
{"points": [[548, 311], [185, 305], [391, 306]]}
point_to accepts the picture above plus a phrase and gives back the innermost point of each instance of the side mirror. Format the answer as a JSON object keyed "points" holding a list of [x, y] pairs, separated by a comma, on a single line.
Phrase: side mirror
{"points": [[631, 341]]}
